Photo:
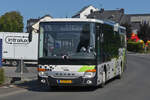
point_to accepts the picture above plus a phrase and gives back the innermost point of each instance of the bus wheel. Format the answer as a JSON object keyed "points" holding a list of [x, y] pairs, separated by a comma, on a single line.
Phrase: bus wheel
{"points": [[103, 79]]}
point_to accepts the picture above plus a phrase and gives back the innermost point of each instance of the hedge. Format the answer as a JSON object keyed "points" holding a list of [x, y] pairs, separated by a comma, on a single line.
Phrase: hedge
{"points": [[1, 75], [135, 47]]}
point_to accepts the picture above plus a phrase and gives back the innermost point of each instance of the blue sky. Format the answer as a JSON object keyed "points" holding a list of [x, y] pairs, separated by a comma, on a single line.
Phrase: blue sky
{"points": [[62, 8]]}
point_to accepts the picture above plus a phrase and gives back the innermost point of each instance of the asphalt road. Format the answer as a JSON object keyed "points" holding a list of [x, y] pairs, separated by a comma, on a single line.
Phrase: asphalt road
{"points": [[134, 85]]}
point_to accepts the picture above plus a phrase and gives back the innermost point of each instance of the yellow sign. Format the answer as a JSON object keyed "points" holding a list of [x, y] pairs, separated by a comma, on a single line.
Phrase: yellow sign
{"points": [[64, 81]]}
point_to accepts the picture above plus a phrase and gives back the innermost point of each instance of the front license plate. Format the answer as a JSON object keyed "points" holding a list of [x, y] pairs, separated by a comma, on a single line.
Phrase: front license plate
{"points": [[64, 81]]}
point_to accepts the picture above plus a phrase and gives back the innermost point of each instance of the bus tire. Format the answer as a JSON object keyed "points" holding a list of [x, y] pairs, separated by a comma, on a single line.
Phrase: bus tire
{"points": [[14, 63]]}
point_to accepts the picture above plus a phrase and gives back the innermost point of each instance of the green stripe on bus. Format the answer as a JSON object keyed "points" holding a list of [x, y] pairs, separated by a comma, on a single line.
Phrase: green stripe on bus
{"points": [[86, 67]]}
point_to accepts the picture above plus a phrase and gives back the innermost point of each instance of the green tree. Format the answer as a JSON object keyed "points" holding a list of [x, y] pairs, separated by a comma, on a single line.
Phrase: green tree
{"points": [[128, 29], [11, 22], [144, 32]]}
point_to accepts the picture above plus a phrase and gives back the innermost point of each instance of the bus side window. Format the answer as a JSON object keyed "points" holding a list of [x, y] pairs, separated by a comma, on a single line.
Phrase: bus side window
{"points": [[108, 44], [98, 44]]}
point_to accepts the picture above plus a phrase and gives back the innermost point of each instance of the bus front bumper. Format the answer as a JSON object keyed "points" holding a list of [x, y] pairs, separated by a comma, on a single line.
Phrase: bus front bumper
{"points": [[50, 81]]}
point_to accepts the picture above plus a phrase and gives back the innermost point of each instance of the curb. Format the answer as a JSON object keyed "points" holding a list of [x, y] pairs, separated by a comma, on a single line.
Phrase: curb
{"points": [[17, 83], [12, 93]]}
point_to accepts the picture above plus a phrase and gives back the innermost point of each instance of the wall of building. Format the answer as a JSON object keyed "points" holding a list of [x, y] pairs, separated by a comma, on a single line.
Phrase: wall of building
{"points": [[140, 18], [36, 25], [86, 12]]}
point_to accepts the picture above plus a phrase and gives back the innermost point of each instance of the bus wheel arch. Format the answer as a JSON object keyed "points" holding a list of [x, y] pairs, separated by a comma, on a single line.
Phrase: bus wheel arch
{"points": [[105, 68], [119, 76], [103, 76]]}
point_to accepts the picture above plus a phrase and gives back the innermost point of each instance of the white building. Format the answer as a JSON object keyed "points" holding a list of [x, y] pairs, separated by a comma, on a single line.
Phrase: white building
{"points": [[33, 24], [84, 12]]}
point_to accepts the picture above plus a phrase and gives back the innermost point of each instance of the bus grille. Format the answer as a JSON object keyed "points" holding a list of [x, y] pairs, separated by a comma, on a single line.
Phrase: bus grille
{"points": [[65, 75]]}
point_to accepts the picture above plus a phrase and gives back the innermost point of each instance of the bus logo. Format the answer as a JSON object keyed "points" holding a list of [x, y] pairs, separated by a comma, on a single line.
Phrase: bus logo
{"points": [[16, 40]]}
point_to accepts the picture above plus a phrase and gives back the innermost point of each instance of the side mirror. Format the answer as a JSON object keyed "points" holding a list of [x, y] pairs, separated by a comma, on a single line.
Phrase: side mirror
{"points": [[30, 37]]}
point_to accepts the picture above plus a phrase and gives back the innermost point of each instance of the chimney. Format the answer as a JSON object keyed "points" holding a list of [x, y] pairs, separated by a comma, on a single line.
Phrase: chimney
{"points": [[122, 10], [102, 10], [91, 11]]}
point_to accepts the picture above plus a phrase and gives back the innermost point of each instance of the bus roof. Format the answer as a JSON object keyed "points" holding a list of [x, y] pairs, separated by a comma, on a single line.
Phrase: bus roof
{"points": [[81, 20], [74, 20]]}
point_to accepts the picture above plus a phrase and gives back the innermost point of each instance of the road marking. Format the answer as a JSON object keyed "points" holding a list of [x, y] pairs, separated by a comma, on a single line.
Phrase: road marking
{"points": [[13, 93]]}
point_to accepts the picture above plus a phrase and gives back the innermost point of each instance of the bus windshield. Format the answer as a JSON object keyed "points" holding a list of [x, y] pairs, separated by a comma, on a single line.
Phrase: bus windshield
{"points": [[70, 39]]}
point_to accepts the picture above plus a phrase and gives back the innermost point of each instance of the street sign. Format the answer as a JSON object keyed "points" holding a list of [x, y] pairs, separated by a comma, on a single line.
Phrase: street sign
{"points": [[21, 68]]}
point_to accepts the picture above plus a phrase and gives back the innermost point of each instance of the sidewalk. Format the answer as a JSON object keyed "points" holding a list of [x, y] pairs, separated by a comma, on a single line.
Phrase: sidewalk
{"points": [[17, 88], [11, 75], [135, 53], [9, 90]]}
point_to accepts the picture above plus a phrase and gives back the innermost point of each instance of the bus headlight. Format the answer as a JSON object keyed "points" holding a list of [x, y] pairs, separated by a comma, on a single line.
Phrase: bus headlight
{"points": [[41, 73], [89, 74]]}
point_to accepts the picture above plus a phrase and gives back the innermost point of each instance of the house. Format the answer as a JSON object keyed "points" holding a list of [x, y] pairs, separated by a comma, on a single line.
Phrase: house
{"points": [[137, 19], [30, 22], [84, 12], [33, 24], [112, 15], [120, 17]]}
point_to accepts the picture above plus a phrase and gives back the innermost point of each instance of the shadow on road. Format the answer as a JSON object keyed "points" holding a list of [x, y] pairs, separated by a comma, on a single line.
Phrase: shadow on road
{"points": [[129, 52], [37, 87]]}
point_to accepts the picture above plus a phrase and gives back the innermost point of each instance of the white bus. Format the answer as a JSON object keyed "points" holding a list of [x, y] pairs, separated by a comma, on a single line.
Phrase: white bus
{"points": [[80, 52]]}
